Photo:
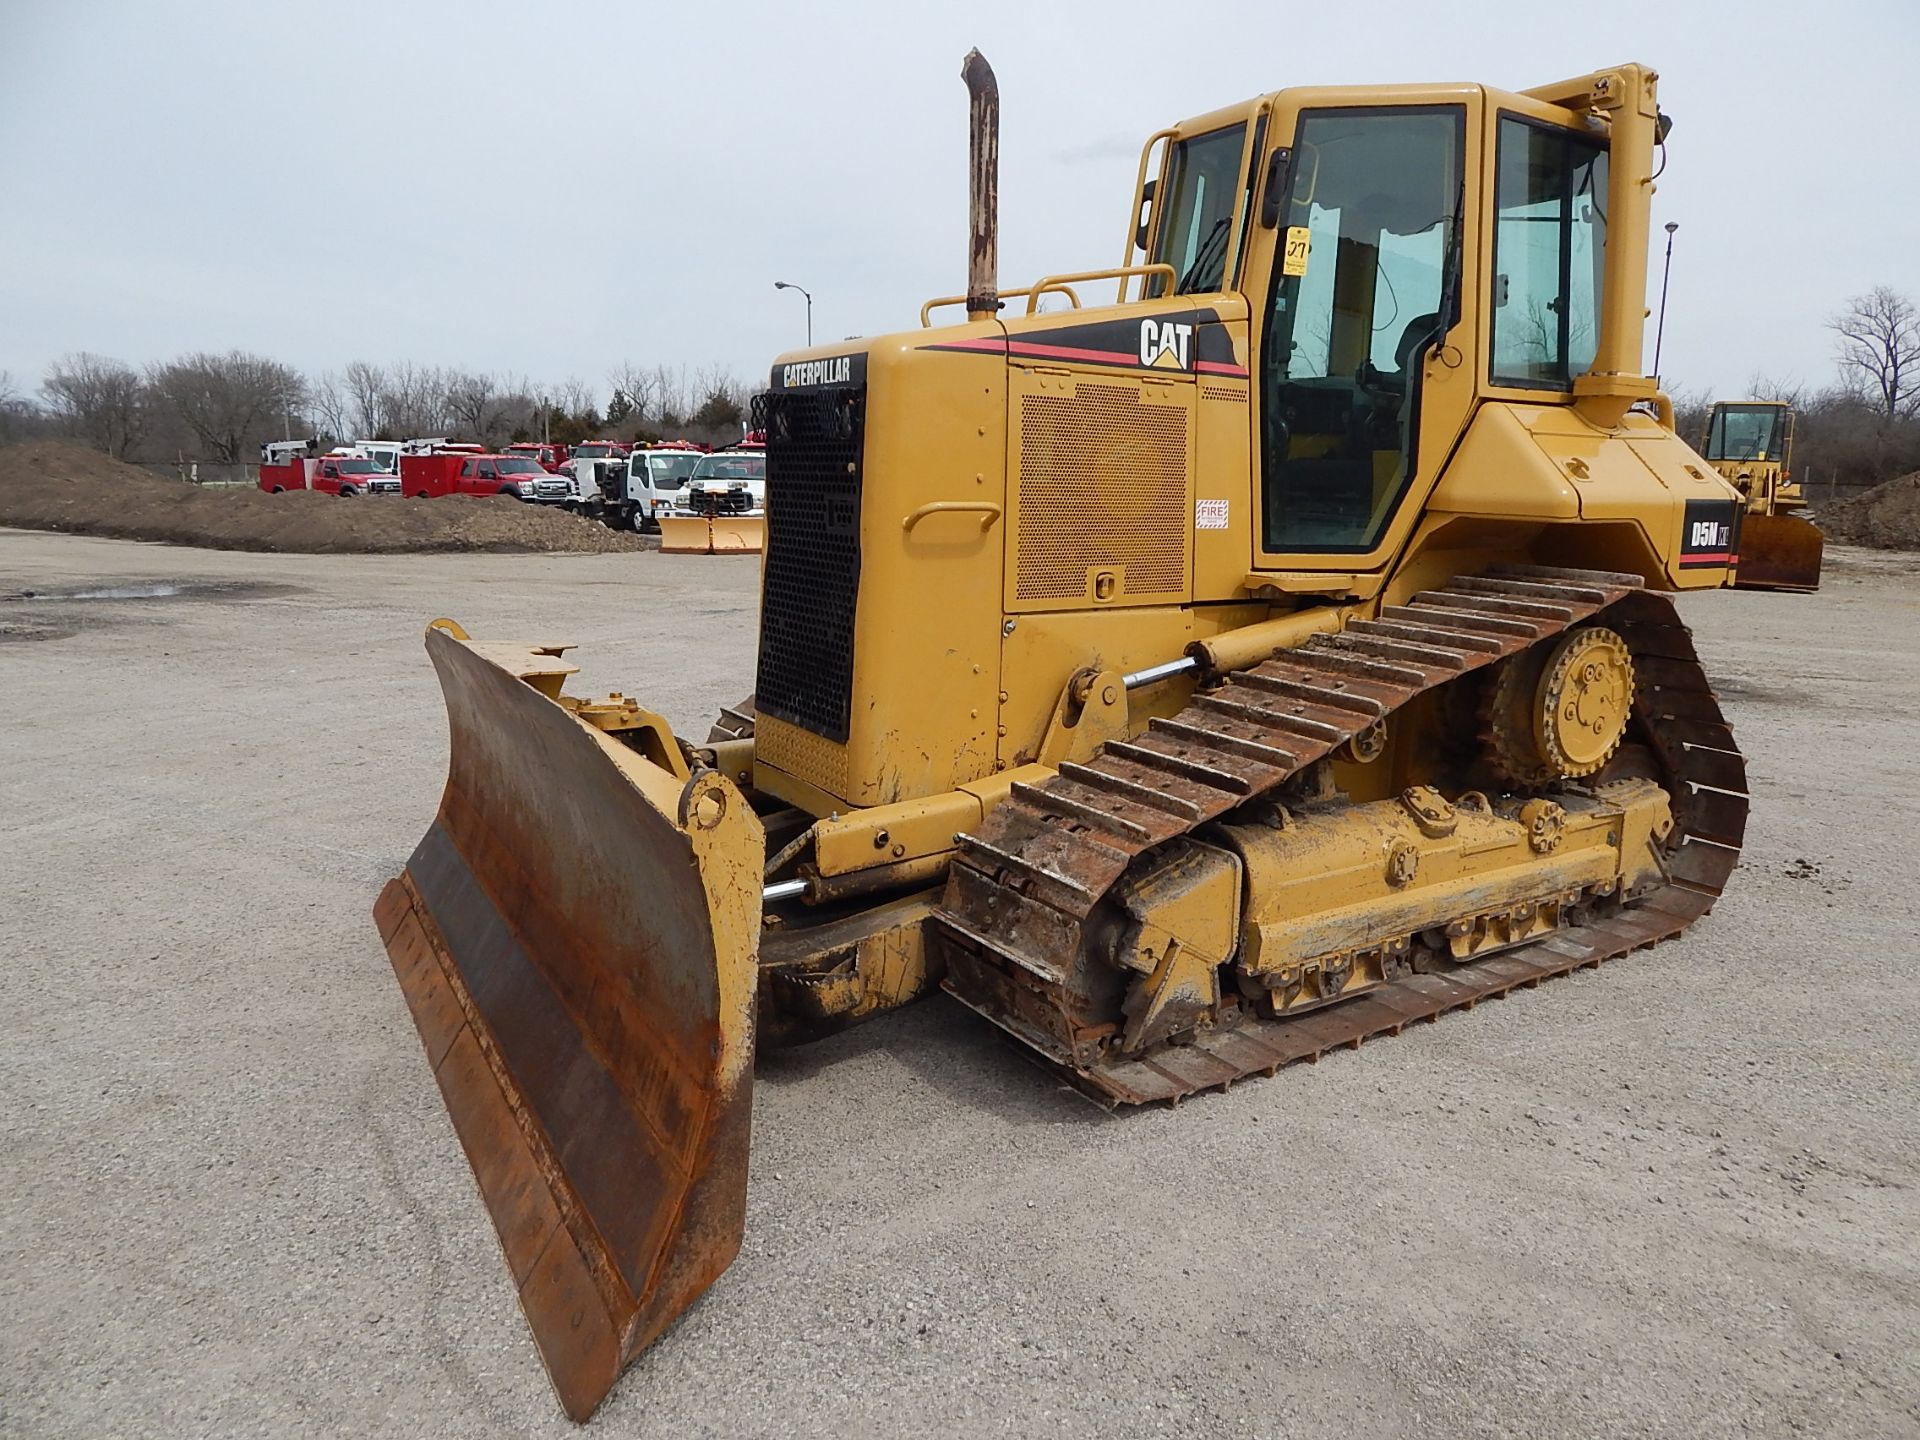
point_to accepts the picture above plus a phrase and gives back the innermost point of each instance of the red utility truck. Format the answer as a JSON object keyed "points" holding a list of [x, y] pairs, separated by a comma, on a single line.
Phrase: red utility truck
{"points": [[284, 466], [456, 472]]}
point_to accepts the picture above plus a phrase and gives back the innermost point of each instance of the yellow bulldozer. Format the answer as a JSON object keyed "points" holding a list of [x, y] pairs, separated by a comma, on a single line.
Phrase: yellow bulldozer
{"points": [[1750, 442], [1272, 658]]}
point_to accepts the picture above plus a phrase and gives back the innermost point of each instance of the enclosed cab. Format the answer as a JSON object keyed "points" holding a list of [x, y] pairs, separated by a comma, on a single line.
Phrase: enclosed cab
{"points": [[1750, 442]]}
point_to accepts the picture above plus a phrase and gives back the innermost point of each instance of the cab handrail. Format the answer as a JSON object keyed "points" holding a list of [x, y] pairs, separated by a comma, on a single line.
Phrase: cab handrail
{"points": [[1139, 199], [927, 309], [1080, 277]]}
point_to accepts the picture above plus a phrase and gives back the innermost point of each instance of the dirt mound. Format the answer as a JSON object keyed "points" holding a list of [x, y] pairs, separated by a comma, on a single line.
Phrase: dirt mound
{"points": [[1886, 517], [51, 486]]}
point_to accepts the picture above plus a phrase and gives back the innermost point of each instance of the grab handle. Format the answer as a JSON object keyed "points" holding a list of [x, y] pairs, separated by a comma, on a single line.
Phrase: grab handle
{"points": [[986, 509]]}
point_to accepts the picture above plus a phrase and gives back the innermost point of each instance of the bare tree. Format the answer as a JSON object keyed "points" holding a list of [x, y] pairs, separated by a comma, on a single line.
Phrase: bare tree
{"points": [[229, 401], [476, 404], [331, 405], [672, 395], [1786, 392], [99, 400], [1879, 350], [12, 406], [573, 395], [519, 409], [413, 400], [720, 415], [637, 386], [1690, 410], [366, 389]]}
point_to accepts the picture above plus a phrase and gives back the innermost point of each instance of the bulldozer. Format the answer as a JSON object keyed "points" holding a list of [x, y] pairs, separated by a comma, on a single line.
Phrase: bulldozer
{"points": [[1750, 442], [1273, 657]]}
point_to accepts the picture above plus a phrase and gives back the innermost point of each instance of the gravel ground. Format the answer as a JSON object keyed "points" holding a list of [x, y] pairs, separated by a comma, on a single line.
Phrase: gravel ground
{"points": [[1676, 1196]]}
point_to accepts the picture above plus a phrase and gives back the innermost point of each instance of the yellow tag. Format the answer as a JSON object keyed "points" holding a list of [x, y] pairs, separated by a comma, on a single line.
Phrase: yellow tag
{"points": [[1299, 242]]}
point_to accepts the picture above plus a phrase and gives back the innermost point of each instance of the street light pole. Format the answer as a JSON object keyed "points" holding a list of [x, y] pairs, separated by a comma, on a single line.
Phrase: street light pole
{"points": [[784, 285], [1666, 274]]}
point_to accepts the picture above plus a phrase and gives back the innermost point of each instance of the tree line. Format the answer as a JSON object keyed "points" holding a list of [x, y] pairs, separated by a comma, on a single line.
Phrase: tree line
{"points": [[1860, 429], [220, 408]]}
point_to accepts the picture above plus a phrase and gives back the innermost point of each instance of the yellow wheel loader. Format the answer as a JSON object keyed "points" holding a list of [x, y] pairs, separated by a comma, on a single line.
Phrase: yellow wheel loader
{"points": [[1750, 442], [1262, 662]]}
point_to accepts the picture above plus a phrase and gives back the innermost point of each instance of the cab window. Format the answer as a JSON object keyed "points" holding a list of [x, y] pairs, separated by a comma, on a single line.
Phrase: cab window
{"points": [[670, 472], [1200, 188], [1365, 285], [1745, 432], [1549, 251]]}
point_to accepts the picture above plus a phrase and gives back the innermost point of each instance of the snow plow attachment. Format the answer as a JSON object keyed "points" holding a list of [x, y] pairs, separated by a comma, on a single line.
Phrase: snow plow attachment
{"points": [[686, 535], [713, 534], [576, 937], [1779, 552], [739, 534]]}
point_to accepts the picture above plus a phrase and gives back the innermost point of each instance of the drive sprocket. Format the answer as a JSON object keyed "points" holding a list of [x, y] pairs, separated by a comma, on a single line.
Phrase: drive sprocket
{"points": [[1558, 712]]}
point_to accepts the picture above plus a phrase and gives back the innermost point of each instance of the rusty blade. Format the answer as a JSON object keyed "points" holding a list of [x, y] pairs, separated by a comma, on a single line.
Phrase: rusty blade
{"points": [[1779, 552], [576, 938]]}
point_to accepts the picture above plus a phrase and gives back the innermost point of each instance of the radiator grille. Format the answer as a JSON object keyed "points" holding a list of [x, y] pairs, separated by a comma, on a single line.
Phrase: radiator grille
{"points": [[1103, 484], [812, 577], [802, 754]]}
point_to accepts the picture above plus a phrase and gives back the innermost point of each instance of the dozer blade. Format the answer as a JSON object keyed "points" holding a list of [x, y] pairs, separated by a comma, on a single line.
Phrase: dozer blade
{"points": [[686, 535], [1779, 552], [576, 937], [739, 534]]}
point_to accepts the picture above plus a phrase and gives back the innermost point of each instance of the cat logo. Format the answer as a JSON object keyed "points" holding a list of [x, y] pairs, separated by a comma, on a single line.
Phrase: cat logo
{"points": [[1165, 345]]}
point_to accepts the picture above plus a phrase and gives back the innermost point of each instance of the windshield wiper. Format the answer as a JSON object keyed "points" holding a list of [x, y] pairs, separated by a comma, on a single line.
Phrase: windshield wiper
{"points": [[1204, 258]]}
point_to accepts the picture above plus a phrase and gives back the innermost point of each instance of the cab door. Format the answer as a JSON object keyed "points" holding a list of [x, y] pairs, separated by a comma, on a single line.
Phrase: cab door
{"points": [[1364, 292]]}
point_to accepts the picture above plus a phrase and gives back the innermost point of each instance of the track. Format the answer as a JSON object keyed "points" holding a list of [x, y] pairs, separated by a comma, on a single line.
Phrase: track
{"points": [[1022, 891]]}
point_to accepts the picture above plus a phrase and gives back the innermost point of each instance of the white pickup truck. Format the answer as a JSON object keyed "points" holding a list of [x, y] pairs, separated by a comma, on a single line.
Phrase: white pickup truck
{"points": [[727, 482]]}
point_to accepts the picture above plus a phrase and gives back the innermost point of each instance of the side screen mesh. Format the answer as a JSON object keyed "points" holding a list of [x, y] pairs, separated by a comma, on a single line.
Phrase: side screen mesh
{"points": [[814, 442]]}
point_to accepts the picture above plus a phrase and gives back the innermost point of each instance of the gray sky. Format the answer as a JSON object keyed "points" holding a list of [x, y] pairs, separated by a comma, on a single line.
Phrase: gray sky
{"points": [[547, 189]]}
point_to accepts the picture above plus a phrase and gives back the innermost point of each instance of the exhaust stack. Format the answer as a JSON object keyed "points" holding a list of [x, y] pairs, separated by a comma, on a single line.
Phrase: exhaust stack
{"points": [[983, 187]]}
